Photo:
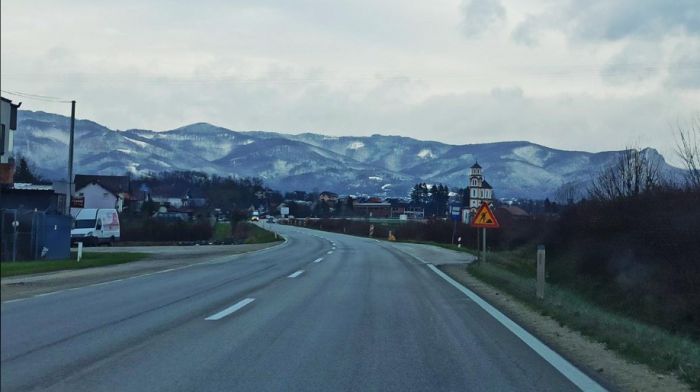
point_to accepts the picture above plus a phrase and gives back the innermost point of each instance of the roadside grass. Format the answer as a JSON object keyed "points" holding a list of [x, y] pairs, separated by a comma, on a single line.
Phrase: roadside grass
{"points": [[222, 231], [258, 235], [638, 342], [441, 245], [89, 260]]}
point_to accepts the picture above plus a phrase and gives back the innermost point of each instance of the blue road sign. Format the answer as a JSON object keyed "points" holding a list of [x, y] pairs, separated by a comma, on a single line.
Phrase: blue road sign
{"points": [[456, 213]]}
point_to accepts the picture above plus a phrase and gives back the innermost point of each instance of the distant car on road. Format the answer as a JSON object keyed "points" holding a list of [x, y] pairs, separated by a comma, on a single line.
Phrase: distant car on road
{"points": [[254, 218], [270, 220]]}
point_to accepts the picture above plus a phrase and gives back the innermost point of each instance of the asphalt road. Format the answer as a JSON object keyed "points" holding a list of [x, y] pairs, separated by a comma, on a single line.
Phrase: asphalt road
{"points": [[322, 312]]}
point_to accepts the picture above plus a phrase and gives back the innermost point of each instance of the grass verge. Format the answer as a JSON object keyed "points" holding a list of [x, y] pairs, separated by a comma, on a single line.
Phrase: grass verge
{"points": [[441, 245], [89, 260], [222, 231], [258, 235], [657, 348]]}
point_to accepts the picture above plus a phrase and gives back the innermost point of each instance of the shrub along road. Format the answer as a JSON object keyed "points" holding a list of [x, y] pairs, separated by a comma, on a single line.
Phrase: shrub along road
{"points": [[322, 312]]}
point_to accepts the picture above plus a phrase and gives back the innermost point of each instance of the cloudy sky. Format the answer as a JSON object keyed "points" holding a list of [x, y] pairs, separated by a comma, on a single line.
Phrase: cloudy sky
{"points": [[585, 75]]}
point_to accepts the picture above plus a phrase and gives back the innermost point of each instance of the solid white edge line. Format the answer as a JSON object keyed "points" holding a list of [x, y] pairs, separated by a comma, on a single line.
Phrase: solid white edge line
{"points": [[318, 260], [240, 304], [571, 372], [294, 275]]}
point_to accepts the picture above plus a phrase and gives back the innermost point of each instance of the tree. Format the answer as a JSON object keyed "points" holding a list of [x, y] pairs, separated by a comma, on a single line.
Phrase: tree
{"points": [[688, 150], [420, 194], [25, 172], [632, 173], [567, 193]]}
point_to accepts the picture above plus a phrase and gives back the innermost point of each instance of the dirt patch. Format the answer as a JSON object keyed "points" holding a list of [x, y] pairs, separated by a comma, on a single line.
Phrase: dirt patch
{"points": [[587, 354]]}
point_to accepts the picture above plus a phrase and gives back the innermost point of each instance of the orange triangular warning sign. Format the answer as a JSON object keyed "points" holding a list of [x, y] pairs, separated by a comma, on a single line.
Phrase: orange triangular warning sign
{"points": [[485, 218]]}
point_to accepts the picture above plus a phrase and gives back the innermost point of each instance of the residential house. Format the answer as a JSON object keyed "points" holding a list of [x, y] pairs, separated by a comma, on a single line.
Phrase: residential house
{"points": [[373, 209], [326, 196], [102, 191]]}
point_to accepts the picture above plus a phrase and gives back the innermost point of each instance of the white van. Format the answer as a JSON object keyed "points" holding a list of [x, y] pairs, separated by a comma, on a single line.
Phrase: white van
{"points": [[94, 226]]}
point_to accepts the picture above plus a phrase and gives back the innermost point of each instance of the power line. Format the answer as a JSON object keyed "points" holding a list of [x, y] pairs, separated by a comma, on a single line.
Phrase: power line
{"points": [[37, 97]]}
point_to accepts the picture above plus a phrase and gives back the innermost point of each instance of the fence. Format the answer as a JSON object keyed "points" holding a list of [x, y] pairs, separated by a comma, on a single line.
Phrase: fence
{"points": [[33, 235]]}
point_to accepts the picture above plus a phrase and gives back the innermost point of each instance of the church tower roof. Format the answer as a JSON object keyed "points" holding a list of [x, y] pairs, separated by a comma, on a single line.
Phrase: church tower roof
{"points": [[476, 165]]}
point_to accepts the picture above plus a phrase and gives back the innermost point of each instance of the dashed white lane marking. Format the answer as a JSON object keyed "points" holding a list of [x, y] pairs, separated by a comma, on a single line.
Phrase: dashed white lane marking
{"points": [[149, 273], [564, 367], [239, 305], [318, 260], [330, 252], [294, 275]]}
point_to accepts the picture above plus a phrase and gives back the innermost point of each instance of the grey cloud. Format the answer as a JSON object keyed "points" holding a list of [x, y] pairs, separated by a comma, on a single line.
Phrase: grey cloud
{"points": [[684, 68], [481, 15], [526, 32], [636, 62], [597, 20]]}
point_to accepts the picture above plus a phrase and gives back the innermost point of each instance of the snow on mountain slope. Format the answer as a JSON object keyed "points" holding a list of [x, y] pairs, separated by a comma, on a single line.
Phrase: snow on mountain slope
{"points": [[305, 161]]}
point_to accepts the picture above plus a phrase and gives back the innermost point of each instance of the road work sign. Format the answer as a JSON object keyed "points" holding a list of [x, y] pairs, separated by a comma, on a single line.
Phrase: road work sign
{"points": [[484, 218]]}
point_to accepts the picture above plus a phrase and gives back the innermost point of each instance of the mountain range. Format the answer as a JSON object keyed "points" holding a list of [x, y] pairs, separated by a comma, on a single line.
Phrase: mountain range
{"points": [[373, 165]]}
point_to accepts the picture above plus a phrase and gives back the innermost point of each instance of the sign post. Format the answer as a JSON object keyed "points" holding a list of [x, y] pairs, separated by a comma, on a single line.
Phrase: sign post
{"points": [[484, 219], [456, 215]]}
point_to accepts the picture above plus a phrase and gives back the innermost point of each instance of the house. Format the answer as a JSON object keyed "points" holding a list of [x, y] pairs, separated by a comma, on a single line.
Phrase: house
{"points": [[8, 124], [373, 209], [326, 196], [102, 191], [479, 191], [509, 215]]}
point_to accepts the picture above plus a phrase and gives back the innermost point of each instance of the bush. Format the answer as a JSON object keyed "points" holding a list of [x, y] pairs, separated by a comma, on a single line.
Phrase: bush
{"points": [[638, 256], [149, 229]]}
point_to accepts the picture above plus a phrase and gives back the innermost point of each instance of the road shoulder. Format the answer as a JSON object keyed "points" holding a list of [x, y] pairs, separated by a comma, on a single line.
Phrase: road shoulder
{"points": [[161, 258], [586, 353]]}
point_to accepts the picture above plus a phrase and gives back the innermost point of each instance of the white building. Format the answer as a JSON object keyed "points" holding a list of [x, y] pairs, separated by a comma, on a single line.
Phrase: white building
{"points": [[479, 190], [8, 123], [102, 191], [96, 196]]}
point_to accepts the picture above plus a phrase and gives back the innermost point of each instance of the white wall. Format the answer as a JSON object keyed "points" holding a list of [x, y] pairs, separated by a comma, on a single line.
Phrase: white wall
{"points": [[97, 197], [7, 141]]}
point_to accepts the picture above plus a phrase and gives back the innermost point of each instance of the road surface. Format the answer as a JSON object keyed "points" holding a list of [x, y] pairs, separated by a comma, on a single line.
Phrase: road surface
{"points": [[322, 312]]}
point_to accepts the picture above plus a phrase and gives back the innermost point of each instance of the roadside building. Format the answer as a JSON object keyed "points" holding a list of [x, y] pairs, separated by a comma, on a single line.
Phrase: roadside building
{"points": [[8, 125], [102, 191], [328, 197], [373, 209]]}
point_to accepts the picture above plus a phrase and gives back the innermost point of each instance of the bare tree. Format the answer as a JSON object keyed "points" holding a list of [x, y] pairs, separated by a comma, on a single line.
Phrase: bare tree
{"points": [[688, 149], [567, 193], [632, 173]]}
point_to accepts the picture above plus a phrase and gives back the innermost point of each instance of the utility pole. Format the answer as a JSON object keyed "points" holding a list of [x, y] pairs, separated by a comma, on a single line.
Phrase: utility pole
{"points": [[70, 157]]}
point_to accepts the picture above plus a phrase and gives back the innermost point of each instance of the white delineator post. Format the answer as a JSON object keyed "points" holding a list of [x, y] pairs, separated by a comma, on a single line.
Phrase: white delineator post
{"points": [[80, 251], [540, 271]]}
